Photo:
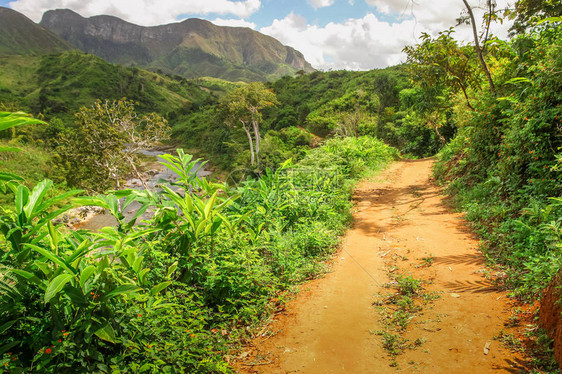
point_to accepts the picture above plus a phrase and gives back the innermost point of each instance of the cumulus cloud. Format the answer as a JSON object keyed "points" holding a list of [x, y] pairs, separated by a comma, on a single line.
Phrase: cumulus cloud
{"points": [[233, 23], [142, 12], [362, 43], [370, 42], [320, 3]]}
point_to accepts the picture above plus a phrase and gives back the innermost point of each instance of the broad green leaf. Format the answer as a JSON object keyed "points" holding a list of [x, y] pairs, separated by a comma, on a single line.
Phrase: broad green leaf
{"points": [[7, 325], [50, 202], [137, 264], [6, 177], [56, 285], [9, 149], [200, 227], [142, 275], [51, 256], [12, 119], [53, 237], [36, 197], [22, 197], [86, 274], [91, 200], [106, 333], [171, 269], [6, 347], [210, 204], [159, 288], [125, 289], [76, 296]]}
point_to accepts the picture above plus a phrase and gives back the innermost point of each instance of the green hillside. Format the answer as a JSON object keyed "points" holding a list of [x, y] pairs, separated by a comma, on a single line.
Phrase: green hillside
{"points": [[21, 36], [62, 83]]}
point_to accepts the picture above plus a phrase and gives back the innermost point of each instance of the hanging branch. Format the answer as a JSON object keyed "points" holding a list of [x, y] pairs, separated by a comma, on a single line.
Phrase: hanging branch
{"points": [[478, 49]]}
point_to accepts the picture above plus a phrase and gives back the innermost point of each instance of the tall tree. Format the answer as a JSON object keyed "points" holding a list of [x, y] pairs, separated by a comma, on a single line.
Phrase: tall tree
{"points": [[442, 62], [242, 107], [104, 143]]}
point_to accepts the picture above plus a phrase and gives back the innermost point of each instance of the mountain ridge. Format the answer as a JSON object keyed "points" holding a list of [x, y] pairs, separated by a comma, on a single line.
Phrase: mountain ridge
{"points": [[190, 48], [20, 35]]}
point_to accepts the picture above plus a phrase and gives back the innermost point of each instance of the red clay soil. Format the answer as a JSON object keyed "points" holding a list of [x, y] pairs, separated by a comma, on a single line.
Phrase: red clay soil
{"points": [[550, 316], [400, 220]]}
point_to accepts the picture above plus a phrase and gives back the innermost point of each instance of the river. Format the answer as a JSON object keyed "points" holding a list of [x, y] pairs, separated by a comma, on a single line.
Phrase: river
{"points": [[156, 173]]}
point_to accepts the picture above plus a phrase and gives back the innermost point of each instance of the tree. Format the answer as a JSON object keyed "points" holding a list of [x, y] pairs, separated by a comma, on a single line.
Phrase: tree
{"points": [[477, 47], [353, 109], [242, 107], [104, 143], [442, 62], [529, 12]]}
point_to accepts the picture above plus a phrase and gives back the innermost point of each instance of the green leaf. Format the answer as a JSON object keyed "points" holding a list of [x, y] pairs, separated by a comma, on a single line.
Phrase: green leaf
{"points": [[7, 325], [6, 347], [51, 256], [76, 296], [36, 197], [56, 285], [22, 197], [53, 237], [137, 264], [142, 275], [86, 274], [210, 204], [159, 288], [9, 149], [9, 119], [58, 198], [106, 333], [6, 177], [124, 289], [171, 269]]}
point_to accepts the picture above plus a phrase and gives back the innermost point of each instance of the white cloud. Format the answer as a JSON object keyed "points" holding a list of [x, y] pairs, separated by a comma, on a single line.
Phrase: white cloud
{"points": [[369, 42], [321, 3], [142, 12], [233, 23], [362, 43]]}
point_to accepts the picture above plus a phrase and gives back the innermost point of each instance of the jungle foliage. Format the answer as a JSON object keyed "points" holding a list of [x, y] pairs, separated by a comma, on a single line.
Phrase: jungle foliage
{"points": [[172, 293], [503, 166]]}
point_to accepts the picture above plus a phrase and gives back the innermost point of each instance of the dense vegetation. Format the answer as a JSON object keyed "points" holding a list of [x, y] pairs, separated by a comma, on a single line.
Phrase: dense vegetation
{"points": [[173, 293], [169, 294], [503, 165]]}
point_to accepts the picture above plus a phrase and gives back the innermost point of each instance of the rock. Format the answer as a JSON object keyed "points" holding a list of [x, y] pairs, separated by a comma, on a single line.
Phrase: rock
{"points": [[550, 317]]}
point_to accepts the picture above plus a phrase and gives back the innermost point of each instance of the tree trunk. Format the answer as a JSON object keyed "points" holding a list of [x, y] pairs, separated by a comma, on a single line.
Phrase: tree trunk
{"points": [[252, 157], [256, 127], [478, 49], [466, 96]]}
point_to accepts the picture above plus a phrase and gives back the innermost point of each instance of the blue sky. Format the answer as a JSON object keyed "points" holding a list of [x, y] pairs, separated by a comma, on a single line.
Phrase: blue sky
{"points": [[332, 34]]}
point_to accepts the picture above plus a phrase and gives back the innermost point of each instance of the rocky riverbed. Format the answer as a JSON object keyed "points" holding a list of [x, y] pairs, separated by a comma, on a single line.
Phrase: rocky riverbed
{"points": [[95, 218]]}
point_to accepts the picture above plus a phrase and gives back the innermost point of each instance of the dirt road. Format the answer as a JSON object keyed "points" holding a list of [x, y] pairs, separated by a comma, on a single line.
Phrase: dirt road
{"points": [[350, 322]]}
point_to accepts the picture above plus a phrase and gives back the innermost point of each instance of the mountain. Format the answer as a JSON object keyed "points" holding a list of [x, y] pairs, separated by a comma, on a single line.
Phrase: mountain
{"points": [[21, 36], [192, 48]]}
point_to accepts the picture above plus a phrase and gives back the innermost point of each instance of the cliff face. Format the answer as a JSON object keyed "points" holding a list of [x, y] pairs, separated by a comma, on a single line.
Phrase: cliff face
{"points": [[21, 36], [190, 48]]}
